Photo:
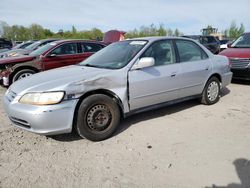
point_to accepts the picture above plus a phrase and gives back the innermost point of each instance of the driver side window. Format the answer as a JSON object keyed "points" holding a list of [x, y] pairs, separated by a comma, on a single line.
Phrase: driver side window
{"points": [[162, 52], [69, 48]]}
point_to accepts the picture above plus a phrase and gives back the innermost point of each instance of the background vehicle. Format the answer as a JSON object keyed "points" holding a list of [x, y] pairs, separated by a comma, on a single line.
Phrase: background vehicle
{"points": [[23, 44], [210, 42], [27, 49], [5, 44], [113, 36], [124, 78], [52, 55], [223, 44], [239, 55]]}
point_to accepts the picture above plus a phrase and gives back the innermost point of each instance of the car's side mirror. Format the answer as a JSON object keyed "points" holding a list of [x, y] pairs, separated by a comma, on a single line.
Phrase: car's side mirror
{"points": [[143, 63], [229, 45]]}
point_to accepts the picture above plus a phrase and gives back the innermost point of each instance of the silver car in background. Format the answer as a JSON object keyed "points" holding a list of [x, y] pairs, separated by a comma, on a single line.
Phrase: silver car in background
{"points": [[124, 78]]}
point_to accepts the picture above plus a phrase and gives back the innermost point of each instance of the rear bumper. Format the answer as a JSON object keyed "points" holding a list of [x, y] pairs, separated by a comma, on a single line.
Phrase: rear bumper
{"points": [[241, 74], [226, 79]]}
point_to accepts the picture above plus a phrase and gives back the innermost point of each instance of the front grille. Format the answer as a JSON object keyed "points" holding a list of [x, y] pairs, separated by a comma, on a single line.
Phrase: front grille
{"points": [[10, 95], [20, 122], [239, 63]]}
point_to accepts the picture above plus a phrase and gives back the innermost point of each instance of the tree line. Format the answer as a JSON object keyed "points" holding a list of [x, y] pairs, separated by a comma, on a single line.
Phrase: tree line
{"points": [[36, 31]]}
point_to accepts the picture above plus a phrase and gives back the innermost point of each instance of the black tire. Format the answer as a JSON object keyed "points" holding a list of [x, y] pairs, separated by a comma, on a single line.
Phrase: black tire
{"points": [[22, 74], [208, 97], [98, 117]]}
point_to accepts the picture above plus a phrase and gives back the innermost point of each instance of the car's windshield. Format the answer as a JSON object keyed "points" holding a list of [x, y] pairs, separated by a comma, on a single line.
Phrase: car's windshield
{"points": [[32, 46], [242, 42], [116, 55], [43, 49]]}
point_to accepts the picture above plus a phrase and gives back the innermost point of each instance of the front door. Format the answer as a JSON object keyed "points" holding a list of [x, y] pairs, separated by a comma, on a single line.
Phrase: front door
{"points": [[156, 84], [64, 55]]}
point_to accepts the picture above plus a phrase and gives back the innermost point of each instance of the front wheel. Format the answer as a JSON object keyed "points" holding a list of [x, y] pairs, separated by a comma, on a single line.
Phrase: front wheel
{"points": [[98, 117], [211, 92]]}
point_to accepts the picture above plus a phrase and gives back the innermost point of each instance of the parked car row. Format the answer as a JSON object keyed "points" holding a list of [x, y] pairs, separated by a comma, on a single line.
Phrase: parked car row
{"points": [[47, 56], [123, 78], [26, 50]]}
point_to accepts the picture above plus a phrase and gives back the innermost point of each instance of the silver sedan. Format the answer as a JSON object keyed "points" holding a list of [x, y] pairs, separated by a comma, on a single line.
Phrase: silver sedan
{"points": [[124, 78]]}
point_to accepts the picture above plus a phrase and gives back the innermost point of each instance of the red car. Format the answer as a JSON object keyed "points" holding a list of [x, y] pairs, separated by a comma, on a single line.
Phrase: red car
{"points": [[53, 55], [239, 55]]}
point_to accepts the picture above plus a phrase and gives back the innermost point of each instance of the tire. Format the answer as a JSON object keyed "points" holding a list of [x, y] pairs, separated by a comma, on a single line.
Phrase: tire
{"points": [[22, 74], [211, 92], [98, 117]]}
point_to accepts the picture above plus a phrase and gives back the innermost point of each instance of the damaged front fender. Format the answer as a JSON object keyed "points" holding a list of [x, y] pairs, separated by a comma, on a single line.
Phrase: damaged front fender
{"points": [[114, 85]]}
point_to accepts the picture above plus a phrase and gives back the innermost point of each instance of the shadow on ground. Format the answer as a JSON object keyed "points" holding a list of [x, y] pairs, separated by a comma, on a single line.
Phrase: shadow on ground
{"points": [[242, 167]]}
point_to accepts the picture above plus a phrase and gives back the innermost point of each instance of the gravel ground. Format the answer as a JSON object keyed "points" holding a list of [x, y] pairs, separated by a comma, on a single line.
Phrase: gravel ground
{"points": [[187, 145]]}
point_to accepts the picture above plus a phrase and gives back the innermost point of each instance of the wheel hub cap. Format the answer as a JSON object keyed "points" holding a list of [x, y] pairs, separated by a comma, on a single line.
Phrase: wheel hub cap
{"points": [[99, 117], [213, 91], [24, 75]]}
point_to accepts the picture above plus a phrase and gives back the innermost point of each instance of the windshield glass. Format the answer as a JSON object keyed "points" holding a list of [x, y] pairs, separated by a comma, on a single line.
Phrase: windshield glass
{"points": [[43, 49], [32, 46], [242, 42], [116, 55]]}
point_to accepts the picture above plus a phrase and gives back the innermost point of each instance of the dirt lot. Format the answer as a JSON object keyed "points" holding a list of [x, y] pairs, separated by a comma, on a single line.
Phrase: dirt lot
{"points": [[185, 145]]}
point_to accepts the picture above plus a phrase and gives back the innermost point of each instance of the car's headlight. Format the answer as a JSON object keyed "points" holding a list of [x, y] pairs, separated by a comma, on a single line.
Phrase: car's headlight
{"points": [[45, 98]]}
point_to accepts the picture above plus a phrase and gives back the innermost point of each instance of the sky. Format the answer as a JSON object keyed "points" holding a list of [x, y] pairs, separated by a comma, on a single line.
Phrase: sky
{"points": [[189, 16]]}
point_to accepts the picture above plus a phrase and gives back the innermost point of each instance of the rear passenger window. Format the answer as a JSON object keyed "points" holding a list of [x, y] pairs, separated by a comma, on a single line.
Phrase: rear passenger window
{"points": [[162, 52], [91, 47], [189, 51]]}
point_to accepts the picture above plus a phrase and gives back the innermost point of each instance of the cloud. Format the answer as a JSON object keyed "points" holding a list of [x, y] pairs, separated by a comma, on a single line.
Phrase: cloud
{"points": [[189, 16]]}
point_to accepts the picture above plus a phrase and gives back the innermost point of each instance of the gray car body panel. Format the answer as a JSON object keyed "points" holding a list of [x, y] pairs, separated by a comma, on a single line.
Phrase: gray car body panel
{"points": [[135, 89]]}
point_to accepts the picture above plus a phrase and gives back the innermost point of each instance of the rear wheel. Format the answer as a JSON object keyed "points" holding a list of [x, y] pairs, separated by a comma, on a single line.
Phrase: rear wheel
{"points": [[98, 117], [211, 92], [24, 73]]}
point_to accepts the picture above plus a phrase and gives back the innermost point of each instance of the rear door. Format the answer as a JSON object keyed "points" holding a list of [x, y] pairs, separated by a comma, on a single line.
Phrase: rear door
{"points": [[156, 84], [195, 67], [89, 48]]}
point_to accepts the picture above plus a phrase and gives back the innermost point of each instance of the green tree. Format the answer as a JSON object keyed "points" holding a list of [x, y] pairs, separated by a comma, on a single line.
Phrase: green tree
{"points": [[234, 31], [241, 29], [177, 33], [36, 31], [162, 30], [74, 31], [48, 33]]}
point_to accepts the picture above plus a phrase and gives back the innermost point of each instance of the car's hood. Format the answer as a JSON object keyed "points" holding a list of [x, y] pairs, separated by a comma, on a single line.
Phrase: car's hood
{"points": [[71, 79], [236, 52], [14, 53], [18, 59]]}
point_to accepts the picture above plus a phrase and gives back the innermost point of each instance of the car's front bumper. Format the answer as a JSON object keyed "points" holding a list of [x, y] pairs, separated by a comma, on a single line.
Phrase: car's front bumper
{"points": [[241, 74], [46, 120]]}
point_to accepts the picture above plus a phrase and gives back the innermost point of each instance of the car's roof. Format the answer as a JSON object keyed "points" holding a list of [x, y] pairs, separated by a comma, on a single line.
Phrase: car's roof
{"points": [[76, 40], [155, 38]]}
